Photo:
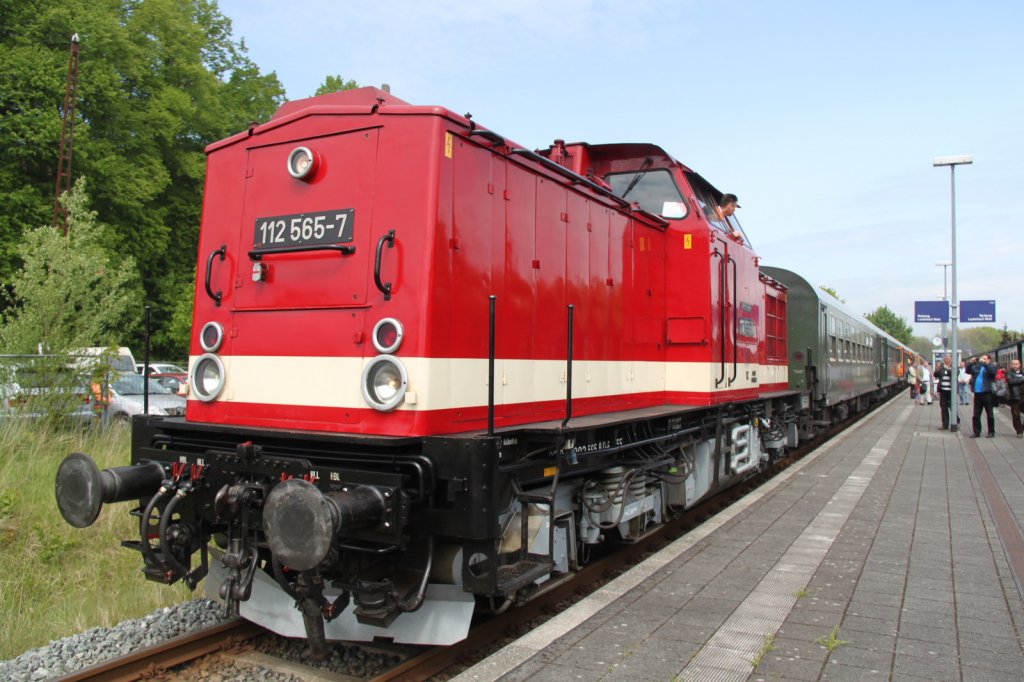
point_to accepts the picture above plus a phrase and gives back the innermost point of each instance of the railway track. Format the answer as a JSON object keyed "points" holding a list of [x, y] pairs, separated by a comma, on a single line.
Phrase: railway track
{"points": [[157, 660]]}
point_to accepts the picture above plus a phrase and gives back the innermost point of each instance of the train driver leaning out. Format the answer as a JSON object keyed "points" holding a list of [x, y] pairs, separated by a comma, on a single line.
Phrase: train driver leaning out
{"points": [[727, 205]]}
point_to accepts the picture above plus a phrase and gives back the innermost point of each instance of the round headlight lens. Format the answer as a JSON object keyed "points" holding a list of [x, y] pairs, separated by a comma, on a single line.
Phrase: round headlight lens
{"points": [[384, 383], [387, 335], [301, 163], [207, 377], [211, 336]]}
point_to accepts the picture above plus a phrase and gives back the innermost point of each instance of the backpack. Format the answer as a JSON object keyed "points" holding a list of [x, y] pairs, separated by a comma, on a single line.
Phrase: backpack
{"points": [[1000, 389]]}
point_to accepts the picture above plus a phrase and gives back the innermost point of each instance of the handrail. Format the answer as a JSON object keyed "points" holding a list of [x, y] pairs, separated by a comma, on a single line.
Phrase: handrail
{"points": [[735, 318], [568, 371], [384, 287], [490, 365], [209, 268], [721, 312], [343, 249]]}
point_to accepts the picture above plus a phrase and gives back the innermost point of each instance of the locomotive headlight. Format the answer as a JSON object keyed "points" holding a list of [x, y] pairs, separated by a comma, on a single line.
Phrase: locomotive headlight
{"points": [[384, 383], [207, 377], [302, 163], [387, 335], [211, 336]]}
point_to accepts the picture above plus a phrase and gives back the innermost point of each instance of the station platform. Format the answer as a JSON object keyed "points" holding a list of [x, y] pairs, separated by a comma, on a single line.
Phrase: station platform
{"points": [[892, 552]]}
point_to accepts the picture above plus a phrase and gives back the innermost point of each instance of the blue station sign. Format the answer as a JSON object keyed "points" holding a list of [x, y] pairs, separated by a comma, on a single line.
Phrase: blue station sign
{"points": [[931, 311], [977, 311]]}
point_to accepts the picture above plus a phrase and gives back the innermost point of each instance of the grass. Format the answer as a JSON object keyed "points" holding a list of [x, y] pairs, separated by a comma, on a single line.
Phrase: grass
{"points": [[768, 645], [831, 641], [801, 593], [56, 580]]}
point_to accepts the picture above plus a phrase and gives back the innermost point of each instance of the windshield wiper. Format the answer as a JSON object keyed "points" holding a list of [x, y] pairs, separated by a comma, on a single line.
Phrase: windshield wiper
{"points": [[636, 178]]}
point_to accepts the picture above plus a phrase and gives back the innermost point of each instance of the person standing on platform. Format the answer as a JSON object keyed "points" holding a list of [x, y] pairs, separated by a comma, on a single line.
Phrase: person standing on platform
{"points": [[912, 379], [1015, 383], [944, 383], [982, 373], [924, 383], [962, 381]]}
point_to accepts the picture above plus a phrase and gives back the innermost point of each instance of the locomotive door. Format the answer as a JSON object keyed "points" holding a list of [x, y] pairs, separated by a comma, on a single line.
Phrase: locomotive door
{"points": [[308, 241], [737, 315], [723, 351]]}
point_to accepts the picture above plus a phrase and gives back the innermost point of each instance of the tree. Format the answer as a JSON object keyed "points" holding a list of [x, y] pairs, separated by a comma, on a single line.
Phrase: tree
{"points": [[890, 322], [922, 346], [335, 84], [831, 292], [979, 339], [158, 81], [70, 292]]}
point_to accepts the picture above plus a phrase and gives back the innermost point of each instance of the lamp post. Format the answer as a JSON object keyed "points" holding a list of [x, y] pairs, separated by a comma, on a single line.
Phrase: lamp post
{"points": [[953, 162], [945, 297]]}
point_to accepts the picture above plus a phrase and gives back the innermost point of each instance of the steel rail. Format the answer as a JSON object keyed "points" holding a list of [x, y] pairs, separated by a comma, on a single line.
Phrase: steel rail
{"points": [[156, 660]]}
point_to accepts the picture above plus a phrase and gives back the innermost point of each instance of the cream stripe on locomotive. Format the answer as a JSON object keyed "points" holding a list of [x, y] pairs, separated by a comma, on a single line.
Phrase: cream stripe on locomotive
{"points": [[452, 383]]}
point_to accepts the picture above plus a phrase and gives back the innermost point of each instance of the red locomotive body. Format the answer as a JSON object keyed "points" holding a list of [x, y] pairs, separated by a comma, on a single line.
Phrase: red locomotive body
{"points": [[435, 215], [431, 368]]}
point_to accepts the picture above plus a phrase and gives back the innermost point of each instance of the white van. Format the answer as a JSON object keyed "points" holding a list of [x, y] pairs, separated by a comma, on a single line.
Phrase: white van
{"points": [[119, 358]]}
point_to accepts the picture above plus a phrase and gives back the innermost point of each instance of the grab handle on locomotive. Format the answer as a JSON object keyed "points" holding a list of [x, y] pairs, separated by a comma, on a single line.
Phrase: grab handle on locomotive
{"points": [[384, 287], [81, 488], [735, 319], [216, 296], [343, 249]]}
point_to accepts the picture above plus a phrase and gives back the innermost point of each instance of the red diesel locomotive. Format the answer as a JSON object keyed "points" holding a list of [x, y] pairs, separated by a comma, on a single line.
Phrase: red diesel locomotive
{"points": [[431, 368]]}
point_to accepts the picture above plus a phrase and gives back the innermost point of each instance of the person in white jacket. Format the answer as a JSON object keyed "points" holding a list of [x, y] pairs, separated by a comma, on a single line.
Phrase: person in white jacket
{"points": [[924, 383], [962, 380]]}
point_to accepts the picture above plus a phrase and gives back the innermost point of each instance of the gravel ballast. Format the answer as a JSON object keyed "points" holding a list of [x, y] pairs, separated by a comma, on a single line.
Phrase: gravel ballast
{"points": [[67, 655]]}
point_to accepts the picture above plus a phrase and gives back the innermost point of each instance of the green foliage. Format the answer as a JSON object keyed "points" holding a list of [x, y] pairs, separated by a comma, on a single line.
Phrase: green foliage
{"points": [[70, 292], [890, 322], [158, 81], [335, 84], [922, 346], [981, 339], [832, 292], [57, 580], [831, 641]]}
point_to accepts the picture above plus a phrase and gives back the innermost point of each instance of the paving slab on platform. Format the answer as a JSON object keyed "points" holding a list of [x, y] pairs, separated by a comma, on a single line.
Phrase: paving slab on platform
{"points": [[888, 553]]}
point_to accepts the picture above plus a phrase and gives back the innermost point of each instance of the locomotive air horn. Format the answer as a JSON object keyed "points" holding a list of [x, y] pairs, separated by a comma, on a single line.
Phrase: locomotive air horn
{"points": [[82, 488]]}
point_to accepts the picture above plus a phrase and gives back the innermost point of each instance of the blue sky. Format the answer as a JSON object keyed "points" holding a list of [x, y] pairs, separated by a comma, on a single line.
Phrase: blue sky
{"points": [[823, 117]]}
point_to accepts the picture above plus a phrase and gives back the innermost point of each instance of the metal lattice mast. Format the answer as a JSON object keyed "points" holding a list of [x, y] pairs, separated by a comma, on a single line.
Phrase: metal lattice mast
{"points": [[67, 138]]}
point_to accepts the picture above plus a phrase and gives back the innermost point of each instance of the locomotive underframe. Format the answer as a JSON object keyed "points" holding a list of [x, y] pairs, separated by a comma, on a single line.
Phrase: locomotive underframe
{"points": [[506, 512], [378, 527]]}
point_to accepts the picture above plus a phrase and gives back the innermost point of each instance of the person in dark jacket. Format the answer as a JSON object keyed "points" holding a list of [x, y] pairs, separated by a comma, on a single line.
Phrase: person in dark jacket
{"points": [[982, 373], [1015, 383], [944, 380]]}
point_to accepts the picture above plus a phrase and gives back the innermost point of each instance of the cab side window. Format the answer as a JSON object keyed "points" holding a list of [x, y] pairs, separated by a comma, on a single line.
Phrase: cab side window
{"points": [[654, 190]]}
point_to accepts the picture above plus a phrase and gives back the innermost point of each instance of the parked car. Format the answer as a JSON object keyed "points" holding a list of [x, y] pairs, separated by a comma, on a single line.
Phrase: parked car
{"points": [[40, 386], [126, 398], [174, 381], [160, 368]]}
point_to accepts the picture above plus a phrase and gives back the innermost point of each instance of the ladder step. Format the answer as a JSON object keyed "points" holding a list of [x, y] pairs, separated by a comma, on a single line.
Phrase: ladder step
{"points": [[511, 577]]}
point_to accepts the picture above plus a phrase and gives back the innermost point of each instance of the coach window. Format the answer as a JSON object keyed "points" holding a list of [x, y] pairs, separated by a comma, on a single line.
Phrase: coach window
{"points": [[654, 190]]}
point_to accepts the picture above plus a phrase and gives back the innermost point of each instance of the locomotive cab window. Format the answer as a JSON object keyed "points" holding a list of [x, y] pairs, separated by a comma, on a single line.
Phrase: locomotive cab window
{"points": [[654, 190]]}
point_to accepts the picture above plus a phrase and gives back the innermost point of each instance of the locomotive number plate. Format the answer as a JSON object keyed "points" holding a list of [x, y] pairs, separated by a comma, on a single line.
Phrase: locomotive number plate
{"points": [[304, 229]]}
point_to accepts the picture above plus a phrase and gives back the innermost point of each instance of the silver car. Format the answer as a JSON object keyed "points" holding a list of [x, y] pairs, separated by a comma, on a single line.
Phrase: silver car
{"points": [[126, 398]]}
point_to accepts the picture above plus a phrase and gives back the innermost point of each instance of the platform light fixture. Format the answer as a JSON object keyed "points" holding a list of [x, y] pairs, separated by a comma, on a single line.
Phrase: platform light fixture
{"points": [[953, 162]]}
